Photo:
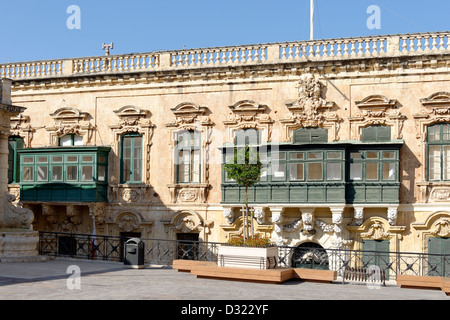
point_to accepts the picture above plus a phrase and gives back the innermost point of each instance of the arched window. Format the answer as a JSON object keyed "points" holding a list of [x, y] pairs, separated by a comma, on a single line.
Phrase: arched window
{"points": [[131, 158], [439, 152], [188, 157]]}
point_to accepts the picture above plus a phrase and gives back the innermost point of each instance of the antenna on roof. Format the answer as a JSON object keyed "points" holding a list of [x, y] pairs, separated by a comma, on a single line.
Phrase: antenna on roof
{"points": [[107, 47], [311, 36]]}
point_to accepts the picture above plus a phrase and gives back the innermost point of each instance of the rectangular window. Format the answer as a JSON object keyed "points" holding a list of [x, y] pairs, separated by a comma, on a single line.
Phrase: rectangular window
{"points": [[28, 174], [101, 173], [57, 173], [87, 173], [334, 171], [371, 171], [356, 171], [188, 157], [279, 172], [72, 173], [296, 172], [434, 162], [131, 159], [315, 171], [42, 173], [388, 171]]}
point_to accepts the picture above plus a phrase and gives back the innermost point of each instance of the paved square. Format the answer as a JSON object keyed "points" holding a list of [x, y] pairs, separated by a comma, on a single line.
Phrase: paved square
{"points": [[51, 280]]}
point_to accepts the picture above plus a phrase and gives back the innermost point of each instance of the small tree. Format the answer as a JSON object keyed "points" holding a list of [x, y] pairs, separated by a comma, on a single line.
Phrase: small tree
{"points": [[246, 171]]}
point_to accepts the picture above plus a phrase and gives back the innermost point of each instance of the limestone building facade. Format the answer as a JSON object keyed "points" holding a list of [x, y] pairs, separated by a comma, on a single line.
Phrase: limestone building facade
{"points": [[354, 136]]}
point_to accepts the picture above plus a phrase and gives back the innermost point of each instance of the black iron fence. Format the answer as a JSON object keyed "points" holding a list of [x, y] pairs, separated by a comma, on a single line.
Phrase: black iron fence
{"points": [[163, 252]]}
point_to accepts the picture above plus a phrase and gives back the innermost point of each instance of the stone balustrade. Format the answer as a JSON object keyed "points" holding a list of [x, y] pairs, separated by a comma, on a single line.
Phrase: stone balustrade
{"points": [[317, 50]]}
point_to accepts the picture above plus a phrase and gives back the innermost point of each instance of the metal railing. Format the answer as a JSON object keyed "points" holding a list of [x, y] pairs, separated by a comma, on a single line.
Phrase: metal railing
{"points": [[163, 252]]}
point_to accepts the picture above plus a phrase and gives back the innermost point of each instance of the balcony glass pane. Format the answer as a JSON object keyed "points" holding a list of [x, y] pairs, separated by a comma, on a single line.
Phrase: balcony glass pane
{"points": [[356, 171], [278, 172], [315, 171], [42, 173], [388, 171], [72, 173], [101, 173], [87, 173], [57, 173], [28, 174], [372, 171], [296, 172], [334, 171]]}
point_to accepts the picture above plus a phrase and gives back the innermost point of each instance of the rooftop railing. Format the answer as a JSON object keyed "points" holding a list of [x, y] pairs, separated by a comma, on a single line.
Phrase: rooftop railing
{"points": [[316, 50]]}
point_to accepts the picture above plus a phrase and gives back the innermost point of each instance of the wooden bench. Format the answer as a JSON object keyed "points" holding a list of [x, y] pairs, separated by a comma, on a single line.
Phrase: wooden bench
{"points": [[247, 261], [364, 275], [315, 275], [419, 282], [445, 285]]}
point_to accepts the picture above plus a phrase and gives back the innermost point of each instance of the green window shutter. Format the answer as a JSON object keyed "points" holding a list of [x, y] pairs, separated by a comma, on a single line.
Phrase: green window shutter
{"points": [[319, 135], [383, 133], [311, 135], [376, 134]]}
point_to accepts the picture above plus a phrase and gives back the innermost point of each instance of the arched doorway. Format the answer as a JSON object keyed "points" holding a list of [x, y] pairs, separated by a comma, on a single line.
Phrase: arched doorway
{"points": [[310, 255]]}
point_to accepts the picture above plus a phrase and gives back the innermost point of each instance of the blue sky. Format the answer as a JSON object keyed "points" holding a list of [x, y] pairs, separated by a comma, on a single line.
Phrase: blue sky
{"points": [[37, 30]]}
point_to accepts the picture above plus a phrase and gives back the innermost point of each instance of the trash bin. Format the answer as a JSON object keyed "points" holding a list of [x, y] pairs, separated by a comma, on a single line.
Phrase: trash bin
{"points": [[134, 253]]}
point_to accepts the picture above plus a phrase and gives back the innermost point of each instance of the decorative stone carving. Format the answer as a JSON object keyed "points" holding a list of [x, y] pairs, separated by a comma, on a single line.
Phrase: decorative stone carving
{"points": [[69, 120], [377, 110], [376, 232], [128, 222], [440, 194], [131, 195], [442, 228], [436, 110], [392, 216], [310, 109], [228, 214], [15, 216], [260, 215], [248, 114], [308, 222], [293, 226], [359, 215]]}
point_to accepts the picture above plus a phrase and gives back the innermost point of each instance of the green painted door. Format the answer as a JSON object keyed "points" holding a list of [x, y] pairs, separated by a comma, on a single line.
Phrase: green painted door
{"points": [[376, 253], [439, 258]]}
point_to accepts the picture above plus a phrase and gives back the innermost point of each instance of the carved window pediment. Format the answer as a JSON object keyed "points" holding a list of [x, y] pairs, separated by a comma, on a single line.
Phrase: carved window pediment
{"points": [[311, 110], [69, 115], [438, 99], [69, 120], [377, 110], [188, 114], [376, 103], [249, 114]]}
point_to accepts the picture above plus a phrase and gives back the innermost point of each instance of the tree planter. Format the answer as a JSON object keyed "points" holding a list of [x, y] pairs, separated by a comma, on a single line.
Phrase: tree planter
{"points": [[248, 257]]}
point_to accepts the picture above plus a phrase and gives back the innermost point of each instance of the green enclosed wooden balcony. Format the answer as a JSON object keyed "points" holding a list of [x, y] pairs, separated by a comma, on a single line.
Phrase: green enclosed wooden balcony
{"points": [[64, 174], [350, 172]]}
